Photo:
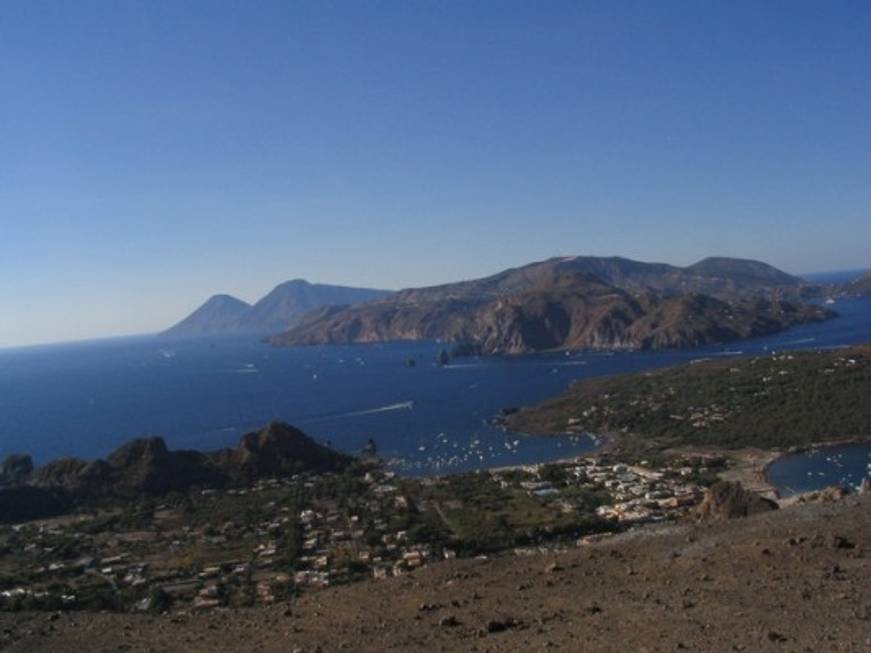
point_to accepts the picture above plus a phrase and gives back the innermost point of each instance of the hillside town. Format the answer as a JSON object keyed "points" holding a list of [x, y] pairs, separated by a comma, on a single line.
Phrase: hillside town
{"points": [[277, 537]]}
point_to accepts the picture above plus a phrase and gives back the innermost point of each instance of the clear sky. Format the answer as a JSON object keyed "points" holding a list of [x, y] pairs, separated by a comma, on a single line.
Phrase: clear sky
{"points": [[153, 153]]}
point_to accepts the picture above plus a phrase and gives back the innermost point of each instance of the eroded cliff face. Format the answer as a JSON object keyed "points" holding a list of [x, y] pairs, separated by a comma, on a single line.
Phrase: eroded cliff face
{"points": [[563, 311], [145, 467]]}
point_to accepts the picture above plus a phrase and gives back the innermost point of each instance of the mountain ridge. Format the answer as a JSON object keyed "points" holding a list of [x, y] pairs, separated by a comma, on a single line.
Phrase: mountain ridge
{"points": [[565, 303], [276, 311], [146, 467], [713, 275]]}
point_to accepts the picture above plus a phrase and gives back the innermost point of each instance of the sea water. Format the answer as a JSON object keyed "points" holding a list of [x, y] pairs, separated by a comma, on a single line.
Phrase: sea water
{"points": [[203, 393]]}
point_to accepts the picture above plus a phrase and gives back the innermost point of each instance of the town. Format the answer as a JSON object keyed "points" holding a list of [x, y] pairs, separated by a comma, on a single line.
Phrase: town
{"points": [[277, 537]]}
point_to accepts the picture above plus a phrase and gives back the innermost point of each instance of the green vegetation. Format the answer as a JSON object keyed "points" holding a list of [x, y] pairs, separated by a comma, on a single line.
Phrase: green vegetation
{"points": [[777, 401], [473, 514]]}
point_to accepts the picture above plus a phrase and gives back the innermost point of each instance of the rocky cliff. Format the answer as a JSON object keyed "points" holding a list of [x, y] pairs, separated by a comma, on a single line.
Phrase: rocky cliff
{"points": [[728, 500], [146, 467], [554, 310]]}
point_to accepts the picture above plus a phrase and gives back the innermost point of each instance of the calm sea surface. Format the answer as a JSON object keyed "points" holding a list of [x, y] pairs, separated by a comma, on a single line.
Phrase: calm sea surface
{"points": [[844, 464], [86, 399]]}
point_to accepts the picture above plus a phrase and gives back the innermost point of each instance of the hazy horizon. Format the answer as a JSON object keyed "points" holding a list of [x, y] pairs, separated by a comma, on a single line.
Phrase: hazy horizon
{"points": [[156, 154]]}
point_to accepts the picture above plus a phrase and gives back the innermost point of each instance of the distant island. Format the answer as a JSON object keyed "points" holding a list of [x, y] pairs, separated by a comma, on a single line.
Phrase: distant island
{"points": [[279, 310], [578, 303]]}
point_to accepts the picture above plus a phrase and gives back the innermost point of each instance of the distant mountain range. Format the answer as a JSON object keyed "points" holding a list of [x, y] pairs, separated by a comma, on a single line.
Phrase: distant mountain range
{"points": [[716, 276], [279, 310], [577, 303]]}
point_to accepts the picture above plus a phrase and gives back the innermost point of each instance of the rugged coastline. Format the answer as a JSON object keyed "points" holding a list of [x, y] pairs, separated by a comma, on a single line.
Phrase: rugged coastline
{"points": [[576, 303]]}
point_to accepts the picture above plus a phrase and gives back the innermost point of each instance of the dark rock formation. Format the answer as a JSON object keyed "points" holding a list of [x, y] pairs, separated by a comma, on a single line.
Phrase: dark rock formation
{"points": [[370, 449], [276, 450], [146, 467], [15, 469], [465, 349], [81, 478], [728, 500]]}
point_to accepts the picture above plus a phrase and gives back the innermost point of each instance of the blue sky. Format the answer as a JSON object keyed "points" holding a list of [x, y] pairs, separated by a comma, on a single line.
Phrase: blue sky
{"points": [[154, 153]]}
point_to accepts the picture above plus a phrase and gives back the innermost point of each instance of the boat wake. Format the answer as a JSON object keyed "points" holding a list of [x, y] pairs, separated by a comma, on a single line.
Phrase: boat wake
{"points": [[464, 366], [402, 405], [800, 341]]}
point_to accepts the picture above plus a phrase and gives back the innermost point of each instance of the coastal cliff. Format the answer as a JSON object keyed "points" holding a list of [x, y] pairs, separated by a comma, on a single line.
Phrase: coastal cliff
{"points": [[555, 311]]}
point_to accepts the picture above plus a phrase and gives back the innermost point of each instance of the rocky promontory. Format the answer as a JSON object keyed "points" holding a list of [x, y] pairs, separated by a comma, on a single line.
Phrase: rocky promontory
{"points": [[145, 466]]}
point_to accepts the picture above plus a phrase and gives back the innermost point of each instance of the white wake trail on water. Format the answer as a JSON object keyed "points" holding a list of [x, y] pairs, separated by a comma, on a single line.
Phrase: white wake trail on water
{"points": [[402, 405]]}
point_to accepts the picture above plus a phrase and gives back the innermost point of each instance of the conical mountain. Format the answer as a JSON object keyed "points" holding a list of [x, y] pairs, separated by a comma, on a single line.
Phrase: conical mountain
{"points": [[278, 311], [219, 314]]}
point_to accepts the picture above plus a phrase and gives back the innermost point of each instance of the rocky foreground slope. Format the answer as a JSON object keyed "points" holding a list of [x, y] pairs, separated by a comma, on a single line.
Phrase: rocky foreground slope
{"points": [[787, 580]]}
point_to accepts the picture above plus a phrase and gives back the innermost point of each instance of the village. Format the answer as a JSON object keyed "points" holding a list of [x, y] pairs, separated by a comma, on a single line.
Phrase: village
{"points": [[638, 493], [264, 543]]}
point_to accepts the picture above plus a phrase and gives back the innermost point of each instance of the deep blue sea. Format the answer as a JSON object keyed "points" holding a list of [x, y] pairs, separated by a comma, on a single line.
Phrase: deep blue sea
{"points": [[86, 399]]}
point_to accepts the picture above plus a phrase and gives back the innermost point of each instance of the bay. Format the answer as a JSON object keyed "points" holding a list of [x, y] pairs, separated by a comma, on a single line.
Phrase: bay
{"points": [[85, 399]]}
